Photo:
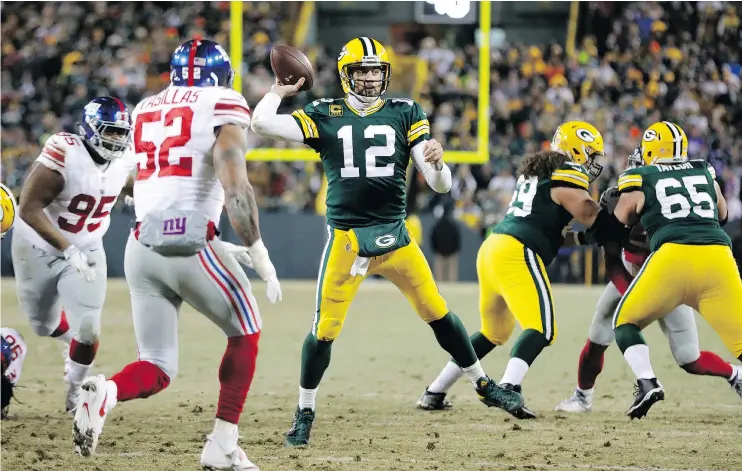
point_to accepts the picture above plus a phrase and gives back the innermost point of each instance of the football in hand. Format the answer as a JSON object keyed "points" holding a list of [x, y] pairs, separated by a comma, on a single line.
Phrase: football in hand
{"points": [[290, 64]]}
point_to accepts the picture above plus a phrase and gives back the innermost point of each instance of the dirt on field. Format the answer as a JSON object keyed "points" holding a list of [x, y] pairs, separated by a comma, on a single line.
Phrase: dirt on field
{"points": [[366, 416]]}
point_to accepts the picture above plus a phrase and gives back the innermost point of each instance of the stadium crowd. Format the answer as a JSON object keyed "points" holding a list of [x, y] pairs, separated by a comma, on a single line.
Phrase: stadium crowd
{"points": [[678, 61]]}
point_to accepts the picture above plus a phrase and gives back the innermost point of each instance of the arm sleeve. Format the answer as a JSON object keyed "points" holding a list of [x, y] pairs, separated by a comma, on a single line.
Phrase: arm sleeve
{"points": [[711, 170], [439, 181], [419, 128], [572, 176], [54, 153], [275, 126], [231, 108], [629, 181]]}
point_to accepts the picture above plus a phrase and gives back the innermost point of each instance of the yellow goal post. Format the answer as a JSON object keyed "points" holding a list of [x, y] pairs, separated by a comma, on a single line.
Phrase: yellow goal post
{"points": [[481, 155]]}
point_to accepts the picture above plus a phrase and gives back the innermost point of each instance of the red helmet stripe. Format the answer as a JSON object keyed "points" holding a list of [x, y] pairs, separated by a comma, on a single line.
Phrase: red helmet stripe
{"points": [[191, 61], [122, 108]]}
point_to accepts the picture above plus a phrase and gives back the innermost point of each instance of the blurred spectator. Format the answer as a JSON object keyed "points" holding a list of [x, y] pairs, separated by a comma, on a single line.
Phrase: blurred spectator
{"points": [[645, 61], [446, 244]]}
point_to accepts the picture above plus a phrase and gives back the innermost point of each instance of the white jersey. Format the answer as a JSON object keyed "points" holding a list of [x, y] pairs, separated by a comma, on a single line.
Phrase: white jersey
{"points": [[18, 349], [173, 139], [81, 212]]}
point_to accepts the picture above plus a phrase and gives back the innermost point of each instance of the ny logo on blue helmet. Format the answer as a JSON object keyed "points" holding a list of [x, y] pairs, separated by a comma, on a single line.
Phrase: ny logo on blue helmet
{"points": [[106, 126], [201, 63]]}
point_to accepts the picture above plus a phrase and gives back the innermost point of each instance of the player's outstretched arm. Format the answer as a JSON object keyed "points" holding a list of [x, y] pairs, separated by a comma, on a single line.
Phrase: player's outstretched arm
{"points": [[41, 188], [267, 123], [242, 209], [428, 158], [603, 225]]}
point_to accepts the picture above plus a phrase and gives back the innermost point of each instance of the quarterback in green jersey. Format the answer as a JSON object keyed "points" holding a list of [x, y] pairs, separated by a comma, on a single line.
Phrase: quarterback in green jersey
{"points": [[365, 143], [511, 263], [682, 208]]}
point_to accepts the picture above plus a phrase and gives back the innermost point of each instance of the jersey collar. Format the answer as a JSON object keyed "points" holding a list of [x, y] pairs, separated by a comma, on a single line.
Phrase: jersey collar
{"points": [[362, 109]]}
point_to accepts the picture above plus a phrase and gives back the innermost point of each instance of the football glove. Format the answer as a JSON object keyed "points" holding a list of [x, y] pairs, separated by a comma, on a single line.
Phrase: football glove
{"points": [[609, 199], [239, 252], [80, 262], [256, 257]]}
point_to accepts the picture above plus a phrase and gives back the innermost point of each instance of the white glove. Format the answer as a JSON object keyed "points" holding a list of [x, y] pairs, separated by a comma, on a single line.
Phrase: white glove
{"points": [[239, 252], [80, 262], [128, 200], [256, 257]]}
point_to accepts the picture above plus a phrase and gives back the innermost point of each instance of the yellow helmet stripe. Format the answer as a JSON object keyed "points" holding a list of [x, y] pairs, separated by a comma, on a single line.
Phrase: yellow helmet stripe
{"points": [[677, 139]]}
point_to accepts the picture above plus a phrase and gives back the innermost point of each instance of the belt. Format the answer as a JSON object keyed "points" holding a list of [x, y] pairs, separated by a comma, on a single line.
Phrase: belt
{"points": [[211, 231]]}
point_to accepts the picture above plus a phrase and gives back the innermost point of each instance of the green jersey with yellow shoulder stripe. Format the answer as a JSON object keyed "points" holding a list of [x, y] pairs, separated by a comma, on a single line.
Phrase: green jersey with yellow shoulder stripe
{"points": [[365, 155], [534, 218], [679, 203]]}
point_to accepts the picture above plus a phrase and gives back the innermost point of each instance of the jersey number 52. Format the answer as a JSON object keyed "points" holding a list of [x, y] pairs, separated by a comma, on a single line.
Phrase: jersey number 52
{"points": [[177, 126]]}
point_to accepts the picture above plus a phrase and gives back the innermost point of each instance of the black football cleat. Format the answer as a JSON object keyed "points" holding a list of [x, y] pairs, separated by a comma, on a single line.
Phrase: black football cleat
{"points": [[433, 401], [646, 393], [521, 412], [298, 435]]}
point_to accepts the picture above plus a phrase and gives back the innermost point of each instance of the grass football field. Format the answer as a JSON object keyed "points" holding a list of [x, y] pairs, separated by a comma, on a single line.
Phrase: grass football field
{"points": [[366, 416]]}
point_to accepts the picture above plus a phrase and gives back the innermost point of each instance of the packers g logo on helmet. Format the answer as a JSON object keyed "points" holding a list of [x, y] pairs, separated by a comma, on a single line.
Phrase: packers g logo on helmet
{"points": [[363, 52], [664, 142], [582, 143], [585, 135], [9, 209]]}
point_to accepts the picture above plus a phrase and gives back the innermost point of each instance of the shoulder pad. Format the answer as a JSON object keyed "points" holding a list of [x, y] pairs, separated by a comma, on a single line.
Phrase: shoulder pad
{"points": [[321, 106], [704, 164], [631, 179], [571, 174], [58, 147], [402, 102]]}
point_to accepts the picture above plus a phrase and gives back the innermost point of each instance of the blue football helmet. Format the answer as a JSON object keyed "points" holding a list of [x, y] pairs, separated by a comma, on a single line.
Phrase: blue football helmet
{"points": [[201, 63], [106, 127]]}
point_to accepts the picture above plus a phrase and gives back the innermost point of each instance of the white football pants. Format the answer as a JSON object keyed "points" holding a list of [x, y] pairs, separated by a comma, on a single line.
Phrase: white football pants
{"points": [[212, 282]]}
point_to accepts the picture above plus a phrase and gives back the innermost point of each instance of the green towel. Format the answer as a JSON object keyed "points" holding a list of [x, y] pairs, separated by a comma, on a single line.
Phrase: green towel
{"points": [[381, 239]]}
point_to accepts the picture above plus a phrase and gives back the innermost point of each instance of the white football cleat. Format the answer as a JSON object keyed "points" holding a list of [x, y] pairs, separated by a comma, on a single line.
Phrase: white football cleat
{"points": [[91, 412], [578, 402], [736, 382], [221, 450]]}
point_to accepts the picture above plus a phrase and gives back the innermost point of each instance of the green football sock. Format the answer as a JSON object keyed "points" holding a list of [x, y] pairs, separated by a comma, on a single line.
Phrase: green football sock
{"points": [[452, 337], [482, 346], [529, 345], [315, 358], [628, 335]]}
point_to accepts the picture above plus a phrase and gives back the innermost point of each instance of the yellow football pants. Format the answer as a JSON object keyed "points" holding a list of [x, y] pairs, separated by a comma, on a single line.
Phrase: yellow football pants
{"points": [[407, 268], [513, 285], [704, 277]]}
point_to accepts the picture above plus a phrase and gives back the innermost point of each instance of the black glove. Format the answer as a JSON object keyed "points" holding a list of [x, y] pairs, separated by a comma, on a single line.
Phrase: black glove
{"points": [[609, 199], [6, 393]]}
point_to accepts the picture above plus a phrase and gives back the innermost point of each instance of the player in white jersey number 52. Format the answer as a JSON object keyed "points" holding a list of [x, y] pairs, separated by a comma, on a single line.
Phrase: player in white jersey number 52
{"points": [[57, 245], [191, 140]]}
